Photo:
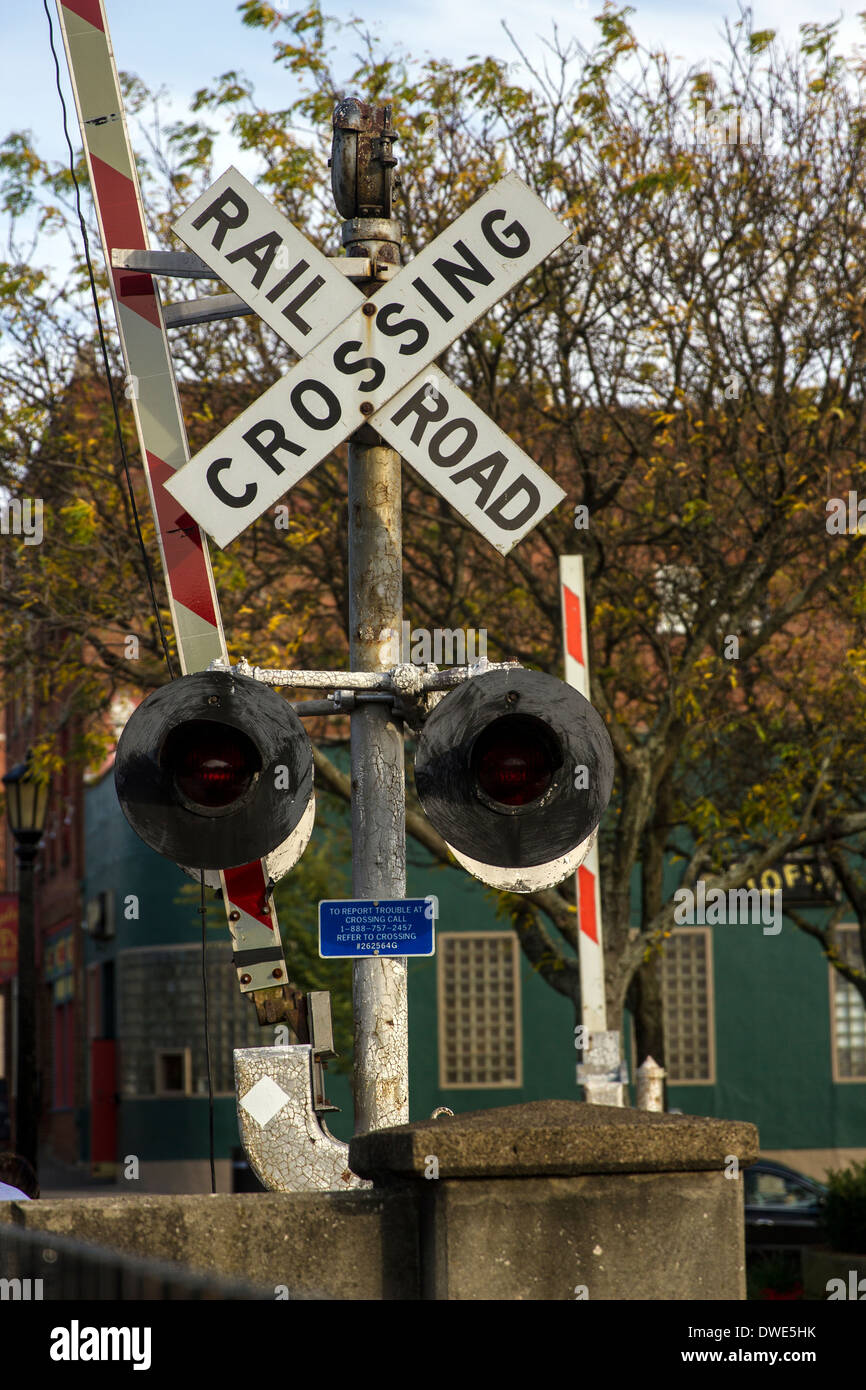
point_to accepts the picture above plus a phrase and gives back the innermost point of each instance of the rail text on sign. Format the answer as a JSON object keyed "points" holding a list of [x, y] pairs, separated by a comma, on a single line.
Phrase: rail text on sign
{"points": [[279, 273]]}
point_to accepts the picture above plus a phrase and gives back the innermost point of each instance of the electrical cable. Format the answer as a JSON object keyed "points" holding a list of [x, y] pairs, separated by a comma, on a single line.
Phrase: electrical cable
{"points": [[203, 911], [103, 345]]}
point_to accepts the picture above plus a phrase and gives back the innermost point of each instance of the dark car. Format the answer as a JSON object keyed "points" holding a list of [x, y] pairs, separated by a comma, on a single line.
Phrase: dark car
{"points": [[784, 1208]]}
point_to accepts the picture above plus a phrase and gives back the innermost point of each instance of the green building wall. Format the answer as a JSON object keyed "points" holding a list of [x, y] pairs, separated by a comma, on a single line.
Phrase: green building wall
{"points": [[155, 1128], [771, 1006], [773, 1044]]}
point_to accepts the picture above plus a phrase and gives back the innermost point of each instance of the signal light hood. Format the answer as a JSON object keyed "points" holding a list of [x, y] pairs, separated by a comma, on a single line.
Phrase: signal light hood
{"points": [[497, 772], [215, 770]]}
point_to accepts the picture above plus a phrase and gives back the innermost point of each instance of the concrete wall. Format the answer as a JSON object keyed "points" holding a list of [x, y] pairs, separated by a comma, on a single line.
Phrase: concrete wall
{"points": [[552, 1200], [330, 1245]]}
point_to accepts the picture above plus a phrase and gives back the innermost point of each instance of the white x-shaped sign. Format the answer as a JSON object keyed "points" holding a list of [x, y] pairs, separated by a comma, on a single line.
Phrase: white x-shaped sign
{"points": [[362, 360]]}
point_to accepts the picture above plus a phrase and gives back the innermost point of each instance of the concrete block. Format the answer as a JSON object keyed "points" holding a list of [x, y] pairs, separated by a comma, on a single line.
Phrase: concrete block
{"points": [[334, 1245], [542, 1200], [659, 1236], [563, 1137]]}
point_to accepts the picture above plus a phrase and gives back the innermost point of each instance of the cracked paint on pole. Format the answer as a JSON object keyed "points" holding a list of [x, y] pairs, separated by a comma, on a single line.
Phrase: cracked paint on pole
{"points": [[379, 984]]}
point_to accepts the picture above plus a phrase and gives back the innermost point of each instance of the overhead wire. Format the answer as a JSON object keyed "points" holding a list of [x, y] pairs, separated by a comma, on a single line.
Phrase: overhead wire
{"points": [[203, 910]]}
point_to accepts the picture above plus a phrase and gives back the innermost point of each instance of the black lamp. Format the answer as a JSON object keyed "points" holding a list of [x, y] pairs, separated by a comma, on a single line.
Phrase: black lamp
{"points": [[26, 806]]}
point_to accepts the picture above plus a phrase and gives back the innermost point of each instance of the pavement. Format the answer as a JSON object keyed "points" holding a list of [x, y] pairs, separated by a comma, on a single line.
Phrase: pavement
{"points": [[59, 1179]]}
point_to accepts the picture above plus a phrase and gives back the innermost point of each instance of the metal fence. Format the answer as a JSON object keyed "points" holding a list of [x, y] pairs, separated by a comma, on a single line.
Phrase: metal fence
{"points": [[38, 1265]]}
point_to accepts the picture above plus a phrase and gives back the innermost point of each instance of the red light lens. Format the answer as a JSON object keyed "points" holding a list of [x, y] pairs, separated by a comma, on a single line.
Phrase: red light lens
{"points": [[213, 764], [513, 760]]}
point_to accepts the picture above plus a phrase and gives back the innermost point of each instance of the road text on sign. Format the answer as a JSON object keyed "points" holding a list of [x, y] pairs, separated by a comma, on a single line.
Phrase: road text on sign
{"points": [[389, 927], [468, 459], [366, 360]]}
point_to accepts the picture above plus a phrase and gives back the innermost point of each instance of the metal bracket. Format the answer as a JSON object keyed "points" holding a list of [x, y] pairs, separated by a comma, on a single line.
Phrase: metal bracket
{"points": [[208, 308], [401, 680], [280, 1004], [178, 263], [184, 265], [286, 1143], [321, 1030]]}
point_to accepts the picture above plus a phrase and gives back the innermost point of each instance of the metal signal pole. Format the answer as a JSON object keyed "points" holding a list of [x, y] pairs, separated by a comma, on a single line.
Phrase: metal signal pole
{"points": [[361, 176]]}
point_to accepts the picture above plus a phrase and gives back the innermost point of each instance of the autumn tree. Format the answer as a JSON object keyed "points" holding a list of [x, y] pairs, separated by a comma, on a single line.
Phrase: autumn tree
{"points": [[689, 367]]}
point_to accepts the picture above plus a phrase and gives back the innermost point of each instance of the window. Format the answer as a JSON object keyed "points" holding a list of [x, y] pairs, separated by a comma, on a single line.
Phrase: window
{"points": [[99, 916], [173, 1072], [688, 1007], [847, 1012], [768, 1189], [479, 1010]]}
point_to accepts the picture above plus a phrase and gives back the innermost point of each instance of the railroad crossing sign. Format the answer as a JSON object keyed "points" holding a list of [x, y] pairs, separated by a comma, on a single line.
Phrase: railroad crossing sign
{"points": [[363, 360]]}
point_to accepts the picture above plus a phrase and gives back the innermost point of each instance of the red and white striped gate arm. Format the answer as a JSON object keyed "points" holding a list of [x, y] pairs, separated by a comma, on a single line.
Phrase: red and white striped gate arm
{"points": [[590, 941], [156, 406]]}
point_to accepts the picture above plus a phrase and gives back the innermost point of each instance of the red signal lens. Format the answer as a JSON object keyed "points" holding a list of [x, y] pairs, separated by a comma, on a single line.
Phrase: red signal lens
{"points": [[514, 760], [212, 764]]}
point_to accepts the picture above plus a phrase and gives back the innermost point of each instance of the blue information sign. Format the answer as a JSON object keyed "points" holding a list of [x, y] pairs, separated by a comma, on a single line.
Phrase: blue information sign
{"points": [[389, 927]]}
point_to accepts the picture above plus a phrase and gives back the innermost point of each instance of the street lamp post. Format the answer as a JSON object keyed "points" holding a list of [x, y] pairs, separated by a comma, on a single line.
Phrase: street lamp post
{"points": [[26, 807]]}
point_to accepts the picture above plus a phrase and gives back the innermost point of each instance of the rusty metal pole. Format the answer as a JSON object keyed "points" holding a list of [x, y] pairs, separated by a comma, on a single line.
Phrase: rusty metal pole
{"points": [[361, 176]]}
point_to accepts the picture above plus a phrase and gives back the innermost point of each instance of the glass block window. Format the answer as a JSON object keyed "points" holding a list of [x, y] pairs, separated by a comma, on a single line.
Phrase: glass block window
{"points": [[688, 1007], [479, 1010], [848, 1012]]}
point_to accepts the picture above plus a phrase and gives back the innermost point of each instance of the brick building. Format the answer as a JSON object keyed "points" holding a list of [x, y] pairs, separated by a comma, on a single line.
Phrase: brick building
{"points": [[59, 872]]}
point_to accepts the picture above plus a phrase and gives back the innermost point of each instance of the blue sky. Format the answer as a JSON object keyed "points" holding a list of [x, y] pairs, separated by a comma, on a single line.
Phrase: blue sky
{"points": [[183, 44]]}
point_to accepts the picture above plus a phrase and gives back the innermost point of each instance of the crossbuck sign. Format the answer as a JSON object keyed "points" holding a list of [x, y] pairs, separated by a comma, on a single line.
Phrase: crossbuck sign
{"points": [[362, 360]]}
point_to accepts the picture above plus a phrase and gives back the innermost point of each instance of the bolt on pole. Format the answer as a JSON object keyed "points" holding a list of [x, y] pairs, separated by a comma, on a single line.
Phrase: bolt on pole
{"points": [[361, 178]]}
